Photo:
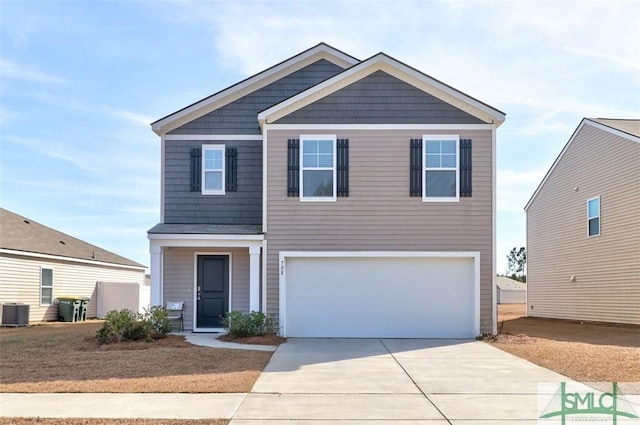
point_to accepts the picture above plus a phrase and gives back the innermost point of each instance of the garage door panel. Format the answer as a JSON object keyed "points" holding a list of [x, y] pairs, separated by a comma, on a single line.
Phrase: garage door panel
{"points": [[380, 297]]}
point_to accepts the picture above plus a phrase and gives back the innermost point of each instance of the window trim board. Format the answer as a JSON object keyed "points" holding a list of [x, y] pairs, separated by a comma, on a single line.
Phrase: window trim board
{"points": [[310, 137], [589, 218], [41, 287], [425, 138], [203, 170]]}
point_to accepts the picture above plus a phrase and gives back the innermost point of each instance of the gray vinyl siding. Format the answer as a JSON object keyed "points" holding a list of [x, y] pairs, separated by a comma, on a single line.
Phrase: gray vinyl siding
{"points": [[606, 267], [379, 214], [181, 206], [241, 116], [20, 282], [179, 279], [379, 99]]}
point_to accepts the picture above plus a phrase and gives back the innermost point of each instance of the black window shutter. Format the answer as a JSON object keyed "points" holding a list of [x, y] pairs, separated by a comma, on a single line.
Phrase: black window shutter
{"points": [[465, 168], [415, 168], [343, 167], [231, 156], [196, 173], [293, 167]]}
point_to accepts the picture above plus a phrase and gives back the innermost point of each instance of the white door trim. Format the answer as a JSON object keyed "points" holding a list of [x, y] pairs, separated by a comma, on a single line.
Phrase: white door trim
{"points": [[282, 272], [195, 287]]}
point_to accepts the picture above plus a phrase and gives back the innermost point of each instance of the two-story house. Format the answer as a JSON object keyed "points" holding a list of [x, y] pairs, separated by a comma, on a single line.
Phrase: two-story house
{"points": [[345, 198]]}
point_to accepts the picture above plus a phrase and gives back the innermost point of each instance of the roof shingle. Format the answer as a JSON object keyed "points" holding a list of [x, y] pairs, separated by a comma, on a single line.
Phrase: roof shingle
{"points": [[22, 234]]}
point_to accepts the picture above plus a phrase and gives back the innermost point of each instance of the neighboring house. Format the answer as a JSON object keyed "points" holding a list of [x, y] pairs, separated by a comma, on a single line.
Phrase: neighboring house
{"points": [[39, 264], [583, 228], [344, 198], [510, 291]]}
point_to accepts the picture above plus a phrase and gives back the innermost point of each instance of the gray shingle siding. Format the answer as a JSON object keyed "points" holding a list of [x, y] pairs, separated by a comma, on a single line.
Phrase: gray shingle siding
{"points": [[181, 206], [241, 116], [379, 99]]}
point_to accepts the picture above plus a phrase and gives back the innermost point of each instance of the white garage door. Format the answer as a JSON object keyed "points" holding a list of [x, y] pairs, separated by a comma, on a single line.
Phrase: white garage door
{"points": [[374, 297]]}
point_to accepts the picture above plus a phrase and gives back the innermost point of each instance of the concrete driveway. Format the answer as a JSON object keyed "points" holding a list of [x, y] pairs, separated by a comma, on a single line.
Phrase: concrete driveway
{"points": [[389, 381]]}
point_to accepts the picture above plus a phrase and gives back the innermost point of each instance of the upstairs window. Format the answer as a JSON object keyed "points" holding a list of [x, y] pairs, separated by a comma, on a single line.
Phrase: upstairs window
{"points": [[318, 170], [440, 174], [46, 286], [593, 216], [213, 170]]}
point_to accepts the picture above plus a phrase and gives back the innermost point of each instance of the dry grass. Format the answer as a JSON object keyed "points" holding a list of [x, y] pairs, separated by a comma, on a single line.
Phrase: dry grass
{"points": [[65, 357], [586, 352], [91, 421]]}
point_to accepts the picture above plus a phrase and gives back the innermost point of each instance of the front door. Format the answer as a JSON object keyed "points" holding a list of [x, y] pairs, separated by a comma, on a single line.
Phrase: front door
{"points": [[212, 290]]}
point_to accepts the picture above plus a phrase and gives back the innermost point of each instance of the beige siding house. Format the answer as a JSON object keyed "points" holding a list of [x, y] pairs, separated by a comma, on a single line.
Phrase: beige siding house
{"points": [[342, 197], [583, 228], [39, 264]]}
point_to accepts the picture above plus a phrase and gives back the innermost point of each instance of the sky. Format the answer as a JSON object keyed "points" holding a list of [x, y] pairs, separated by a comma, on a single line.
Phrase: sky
{"points": [[81, 81]]}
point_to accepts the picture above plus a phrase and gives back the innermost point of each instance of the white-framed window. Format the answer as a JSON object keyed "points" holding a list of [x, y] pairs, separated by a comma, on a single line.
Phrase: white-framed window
{"points": [[213, 169], [46, 286], [441, 173], [593, 216], [318, 167]]}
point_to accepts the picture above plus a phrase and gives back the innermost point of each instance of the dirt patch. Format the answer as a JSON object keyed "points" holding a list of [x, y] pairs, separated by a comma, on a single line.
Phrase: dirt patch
{"points": [[268, 339], [91, 421], [67, 358], [583, 351]]}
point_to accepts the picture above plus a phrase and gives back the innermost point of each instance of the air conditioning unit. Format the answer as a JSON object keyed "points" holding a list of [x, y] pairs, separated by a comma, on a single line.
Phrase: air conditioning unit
{"points": [[15, 314]]}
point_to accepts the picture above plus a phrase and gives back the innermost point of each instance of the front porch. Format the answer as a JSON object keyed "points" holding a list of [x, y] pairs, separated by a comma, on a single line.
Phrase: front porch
{"points": [[212, 273]]}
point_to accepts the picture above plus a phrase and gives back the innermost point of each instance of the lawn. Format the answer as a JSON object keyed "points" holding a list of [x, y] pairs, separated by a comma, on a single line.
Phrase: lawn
{"points": [[586, 352], [65, 357]]}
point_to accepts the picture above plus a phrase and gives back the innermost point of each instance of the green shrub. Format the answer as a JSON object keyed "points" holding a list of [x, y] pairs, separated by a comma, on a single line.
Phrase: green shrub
{"points": [[138, 331], [239, 324], [158, 319], [125, 325], [115, 326]]}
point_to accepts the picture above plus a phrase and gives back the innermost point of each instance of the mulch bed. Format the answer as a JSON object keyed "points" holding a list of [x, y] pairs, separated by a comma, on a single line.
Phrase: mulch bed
{"points": [[268, 339]]}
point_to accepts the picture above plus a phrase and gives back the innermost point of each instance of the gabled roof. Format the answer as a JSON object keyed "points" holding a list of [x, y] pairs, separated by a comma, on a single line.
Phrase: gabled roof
{"points": [[385, 63], [27, 236], [625, 128], [631, 127], [251, 84], [508, 284]]}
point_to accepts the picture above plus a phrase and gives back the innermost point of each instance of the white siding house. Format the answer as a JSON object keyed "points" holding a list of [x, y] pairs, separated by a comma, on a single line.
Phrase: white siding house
{"points": [[39, 264], [510, 291]]}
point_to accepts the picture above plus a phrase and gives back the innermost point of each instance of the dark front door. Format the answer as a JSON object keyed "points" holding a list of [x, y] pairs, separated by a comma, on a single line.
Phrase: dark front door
{"points": [[212, 291]]}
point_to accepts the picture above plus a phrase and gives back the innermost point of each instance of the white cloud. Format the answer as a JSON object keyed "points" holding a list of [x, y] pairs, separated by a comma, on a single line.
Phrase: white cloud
{"points": [[133, 117], [514, 188], [12, 70]]}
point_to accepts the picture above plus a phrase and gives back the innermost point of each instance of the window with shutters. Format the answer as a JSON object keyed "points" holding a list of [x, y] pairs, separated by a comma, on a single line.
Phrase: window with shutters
{"points": [[213, 170], [46, 286], [440, 174], [318, 167]]}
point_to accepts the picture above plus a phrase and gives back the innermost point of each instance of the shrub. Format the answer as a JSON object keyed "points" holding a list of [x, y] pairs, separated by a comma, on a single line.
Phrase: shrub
{"points": [[115, 325], [125, 325], [239, 324], [158, 319]]}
